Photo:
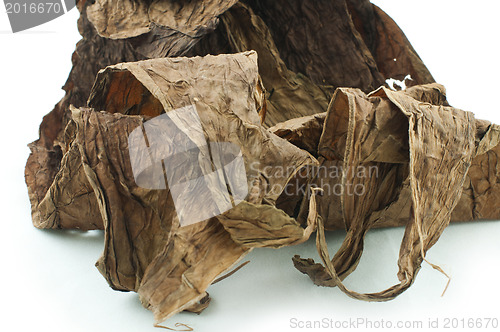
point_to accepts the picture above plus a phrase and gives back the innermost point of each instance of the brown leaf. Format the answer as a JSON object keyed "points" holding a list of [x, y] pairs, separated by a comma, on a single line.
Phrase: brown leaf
{"points": [[441, 144], [146, 249]]}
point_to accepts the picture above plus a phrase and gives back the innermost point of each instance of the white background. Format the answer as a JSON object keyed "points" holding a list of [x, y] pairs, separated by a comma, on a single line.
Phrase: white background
{"points": [[48, 278]]}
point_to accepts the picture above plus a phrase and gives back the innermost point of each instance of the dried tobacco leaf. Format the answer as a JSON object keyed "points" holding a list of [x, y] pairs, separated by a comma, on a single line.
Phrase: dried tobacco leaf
{"points": [[118, 20], [422, 154], [330, 53], [92, 54], [158, 28], [354, 46], [145, 249], [303, 132], [290, 93], [306, 132], [391, 50], [433, 163]]}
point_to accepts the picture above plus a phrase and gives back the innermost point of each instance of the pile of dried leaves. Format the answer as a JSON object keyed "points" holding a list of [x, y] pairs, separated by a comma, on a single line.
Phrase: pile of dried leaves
{"points": [[298, 87]]}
